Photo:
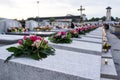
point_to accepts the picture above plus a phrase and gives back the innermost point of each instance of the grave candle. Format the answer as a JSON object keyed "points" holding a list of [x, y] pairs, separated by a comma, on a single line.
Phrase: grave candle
{"points": [[106, 61]]}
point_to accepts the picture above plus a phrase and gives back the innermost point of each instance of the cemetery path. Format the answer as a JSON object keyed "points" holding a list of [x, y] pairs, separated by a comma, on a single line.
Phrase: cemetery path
{"points": [[115, 42]]}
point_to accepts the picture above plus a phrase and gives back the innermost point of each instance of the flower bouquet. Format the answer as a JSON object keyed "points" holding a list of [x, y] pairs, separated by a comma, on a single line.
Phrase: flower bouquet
{"points": [[80, 30], [37, 29], [34, 47], [61, 37], [106, 46], [22, 29], [74, 33], [16, 29], [12, 29], [44, 28]]}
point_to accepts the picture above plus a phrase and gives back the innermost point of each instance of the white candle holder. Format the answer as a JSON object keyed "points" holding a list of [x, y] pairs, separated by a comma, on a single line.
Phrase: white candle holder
{"points": [[106, 61]]}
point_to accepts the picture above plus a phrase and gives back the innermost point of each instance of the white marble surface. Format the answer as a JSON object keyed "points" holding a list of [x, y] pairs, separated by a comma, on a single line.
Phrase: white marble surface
{"points": [[89, 39], [107, 55], [95, 36], [46, 33], [107, 79], [108, 70], [81, 45], [10, 37], [66, 62]]}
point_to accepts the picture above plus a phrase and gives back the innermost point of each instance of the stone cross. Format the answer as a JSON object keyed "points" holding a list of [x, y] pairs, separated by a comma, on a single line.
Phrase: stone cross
{"points": [[81, 9], [81, 16]]}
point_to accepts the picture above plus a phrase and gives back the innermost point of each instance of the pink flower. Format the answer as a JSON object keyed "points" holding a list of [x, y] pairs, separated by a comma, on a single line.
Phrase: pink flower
{"points": [[33, 38], [39, 38], [20, 42], [46, 41], [59, 33], [63, 33], [63, 36], [75, 32], [25, 37]]}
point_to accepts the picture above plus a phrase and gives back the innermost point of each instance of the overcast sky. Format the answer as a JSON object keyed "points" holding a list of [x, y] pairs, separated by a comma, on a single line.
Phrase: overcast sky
{"points": [[22, 9]]}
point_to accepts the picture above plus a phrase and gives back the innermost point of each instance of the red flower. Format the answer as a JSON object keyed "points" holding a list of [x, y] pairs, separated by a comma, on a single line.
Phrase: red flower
{"points": [[33, 38], [54, 36], [63, 33], [20, 42]]}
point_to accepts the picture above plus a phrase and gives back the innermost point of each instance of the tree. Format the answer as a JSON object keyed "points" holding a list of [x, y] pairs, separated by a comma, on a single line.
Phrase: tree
{"points": [[103, 18], [51, 19], [31, 18], [116, 19], [112, 18]]}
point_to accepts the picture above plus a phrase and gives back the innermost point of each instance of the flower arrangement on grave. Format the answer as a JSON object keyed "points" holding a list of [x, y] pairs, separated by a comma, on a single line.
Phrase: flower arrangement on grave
{"points": [[85, 29], [46, 28], [61, 37], [80, 30], [37, 29], [16, 29], [12, 29], [34, 47], [43, 28], [22, 29], [106, 46], [74, 33], [89, 28]]}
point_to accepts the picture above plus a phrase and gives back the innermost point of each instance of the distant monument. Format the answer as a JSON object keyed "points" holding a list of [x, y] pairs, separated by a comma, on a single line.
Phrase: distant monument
{"points": [[108, 14]]}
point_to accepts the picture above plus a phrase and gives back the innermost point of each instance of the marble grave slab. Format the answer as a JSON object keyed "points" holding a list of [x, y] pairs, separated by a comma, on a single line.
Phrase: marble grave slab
{"points": [[64, 65]]}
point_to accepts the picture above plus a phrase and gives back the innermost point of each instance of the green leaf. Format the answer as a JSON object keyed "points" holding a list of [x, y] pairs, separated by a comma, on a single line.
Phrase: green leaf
{"points": [[8, 58], [35, 56], [12, 49]]}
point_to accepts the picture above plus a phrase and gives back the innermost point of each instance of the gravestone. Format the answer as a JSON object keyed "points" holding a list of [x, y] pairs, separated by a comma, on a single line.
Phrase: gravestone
{"points": [[89, 39], [8, 23], [93, 36], [79, 46], [9, 39], [108, 71], [31, 24], [64, 65], [40, 33]]}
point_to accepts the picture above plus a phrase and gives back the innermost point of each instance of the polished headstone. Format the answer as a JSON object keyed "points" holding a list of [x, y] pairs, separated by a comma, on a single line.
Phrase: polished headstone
{"points": [[88, 39], [93, 36], [8, 23], [31, 24], [9, 39], [107, 79], [107, 54], [64, 65], [40, 33], [108, 70], [79, 46]]}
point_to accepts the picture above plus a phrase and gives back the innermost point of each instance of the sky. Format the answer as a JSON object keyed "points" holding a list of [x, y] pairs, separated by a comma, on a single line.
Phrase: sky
{"points": [[22, 9]]}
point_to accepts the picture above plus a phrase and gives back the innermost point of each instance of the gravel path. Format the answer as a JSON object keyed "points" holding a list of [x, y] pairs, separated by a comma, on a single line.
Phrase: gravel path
{"points": [[115, 42]]}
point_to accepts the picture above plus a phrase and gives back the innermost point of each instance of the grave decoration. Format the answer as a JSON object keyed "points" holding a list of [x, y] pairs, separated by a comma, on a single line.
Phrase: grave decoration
{"points": [[43, 28], [85, 29], [61, 37], [74, 33], [34, 47], [16, 29], [106, 46]]}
